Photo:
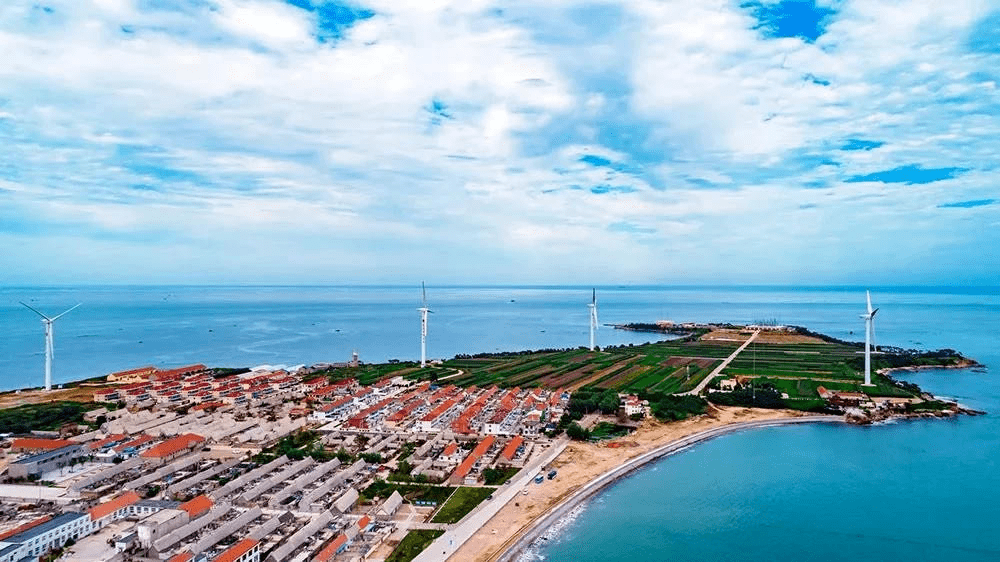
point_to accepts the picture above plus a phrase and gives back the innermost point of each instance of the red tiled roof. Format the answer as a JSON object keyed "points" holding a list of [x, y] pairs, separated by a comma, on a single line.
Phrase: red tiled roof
{"points": [[38, 443], [107, 441], [181, 370], [234, 552], [442, 408], [450, 449], [171, 446], [107, 508], [330, 550], [464, 468], [137, 442], [139, 371], [511, 448], [363, 522], [196, 506], [181, 557]]}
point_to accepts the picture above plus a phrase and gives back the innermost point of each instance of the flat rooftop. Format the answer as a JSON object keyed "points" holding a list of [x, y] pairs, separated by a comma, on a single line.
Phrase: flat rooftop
{"points": [[30, 492]]}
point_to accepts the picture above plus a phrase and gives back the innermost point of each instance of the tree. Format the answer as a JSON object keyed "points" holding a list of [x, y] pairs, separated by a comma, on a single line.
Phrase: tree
{"points": [[609, 402], [575, 432]]}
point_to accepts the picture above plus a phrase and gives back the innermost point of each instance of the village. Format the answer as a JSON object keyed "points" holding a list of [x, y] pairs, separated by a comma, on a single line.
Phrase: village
{"points": [[187, 464]]}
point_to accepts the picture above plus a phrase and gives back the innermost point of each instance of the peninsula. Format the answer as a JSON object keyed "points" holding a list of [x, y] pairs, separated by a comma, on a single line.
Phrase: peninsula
{"points": [[464, 459]]}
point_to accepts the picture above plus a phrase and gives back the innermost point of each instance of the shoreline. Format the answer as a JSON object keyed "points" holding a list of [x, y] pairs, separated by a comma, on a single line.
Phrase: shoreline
{"points": [[526, 537], [967, 364], [585, 468]]}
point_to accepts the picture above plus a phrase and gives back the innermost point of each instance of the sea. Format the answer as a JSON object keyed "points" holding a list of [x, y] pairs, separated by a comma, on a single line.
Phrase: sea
{"points": [[905, 490]]}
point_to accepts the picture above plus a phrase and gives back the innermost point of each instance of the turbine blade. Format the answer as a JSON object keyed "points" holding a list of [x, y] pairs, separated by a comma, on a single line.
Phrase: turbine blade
{"points": [[423, 289], [872, 313], [868, 296], [594, 297], [35, 311], [67, 311]]}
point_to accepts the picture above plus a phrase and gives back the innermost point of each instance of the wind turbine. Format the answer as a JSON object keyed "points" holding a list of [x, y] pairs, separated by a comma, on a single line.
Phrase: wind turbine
{"points": [[49, 349], [869, 318], [423, 327], [593, 318]]}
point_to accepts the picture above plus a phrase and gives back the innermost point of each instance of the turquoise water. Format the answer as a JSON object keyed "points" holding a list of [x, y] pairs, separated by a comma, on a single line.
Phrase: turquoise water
{"points": [[910, 490]]}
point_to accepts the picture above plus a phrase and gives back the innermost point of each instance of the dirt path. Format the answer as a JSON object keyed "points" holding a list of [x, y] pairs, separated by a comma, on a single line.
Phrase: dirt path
{"points": [[715, 372]]}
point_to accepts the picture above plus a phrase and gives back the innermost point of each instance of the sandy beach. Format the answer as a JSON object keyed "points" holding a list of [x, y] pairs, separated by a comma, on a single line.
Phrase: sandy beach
{"points": [[581, 463]]}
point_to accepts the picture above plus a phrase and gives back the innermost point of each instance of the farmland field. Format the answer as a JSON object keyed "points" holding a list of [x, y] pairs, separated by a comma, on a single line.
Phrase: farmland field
{"points": [[795, 364]]}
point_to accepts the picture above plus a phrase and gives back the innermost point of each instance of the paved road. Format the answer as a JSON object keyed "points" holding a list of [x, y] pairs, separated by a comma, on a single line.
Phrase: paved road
{"points": [[453, 539], [701, 386], [543, 523]]}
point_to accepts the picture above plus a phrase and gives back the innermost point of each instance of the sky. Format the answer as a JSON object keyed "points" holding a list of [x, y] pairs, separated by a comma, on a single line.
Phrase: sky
{"points": [[387, 141]]}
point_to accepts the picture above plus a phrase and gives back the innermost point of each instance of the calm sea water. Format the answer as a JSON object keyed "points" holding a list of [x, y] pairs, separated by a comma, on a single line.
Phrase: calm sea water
{"points": [[919, 490], [914, 490]]}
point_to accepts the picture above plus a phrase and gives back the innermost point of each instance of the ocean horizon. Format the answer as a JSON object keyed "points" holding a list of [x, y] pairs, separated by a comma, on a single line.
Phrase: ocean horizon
{"points": [[915, 490], [126, 326]]}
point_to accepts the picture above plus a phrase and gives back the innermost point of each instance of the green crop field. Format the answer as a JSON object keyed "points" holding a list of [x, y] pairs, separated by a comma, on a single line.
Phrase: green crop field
{"points": [[795, 368]]}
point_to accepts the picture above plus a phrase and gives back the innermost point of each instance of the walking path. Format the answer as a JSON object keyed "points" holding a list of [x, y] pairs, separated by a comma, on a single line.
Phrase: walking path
{"points": [[453, 538], [536, 529], [701, 386]]}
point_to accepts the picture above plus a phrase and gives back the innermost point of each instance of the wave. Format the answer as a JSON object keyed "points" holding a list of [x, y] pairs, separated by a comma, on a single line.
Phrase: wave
{"points": [[555, 531]]}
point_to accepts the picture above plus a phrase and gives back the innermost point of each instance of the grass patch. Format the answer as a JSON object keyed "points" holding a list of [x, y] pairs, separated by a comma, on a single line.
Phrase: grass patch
{"points": [[410, 492], [605, 430], [929, 406], [413, 544], [497, 476], [464, 500], [43, 417]]}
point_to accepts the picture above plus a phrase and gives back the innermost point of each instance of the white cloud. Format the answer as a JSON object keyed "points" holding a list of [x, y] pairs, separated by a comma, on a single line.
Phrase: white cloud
{"points": [[211, 131]]}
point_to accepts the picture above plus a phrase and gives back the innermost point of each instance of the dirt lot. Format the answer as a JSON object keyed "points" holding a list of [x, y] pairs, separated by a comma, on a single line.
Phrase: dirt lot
{"points": [[78, 394], [764, 337], [581, 463]]}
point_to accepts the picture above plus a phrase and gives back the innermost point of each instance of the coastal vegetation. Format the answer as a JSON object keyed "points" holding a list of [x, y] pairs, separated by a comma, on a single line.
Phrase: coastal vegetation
{"points": [[413, 544], [48, 416], [672, 407]]}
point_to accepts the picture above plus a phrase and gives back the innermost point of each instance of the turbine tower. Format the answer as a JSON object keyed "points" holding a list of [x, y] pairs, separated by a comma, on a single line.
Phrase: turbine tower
{"points": [[593, 318], [49, 349], [423, 327], [869, 318]]}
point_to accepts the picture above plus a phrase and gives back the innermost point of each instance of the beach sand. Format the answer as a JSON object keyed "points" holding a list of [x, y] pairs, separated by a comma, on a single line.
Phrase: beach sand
{"points": [[582, 462]]}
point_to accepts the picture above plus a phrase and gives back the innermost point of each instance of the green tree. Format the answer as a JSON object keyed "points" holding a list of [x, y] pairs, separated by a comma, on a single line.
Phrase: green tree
{"points": [[574, 431]]}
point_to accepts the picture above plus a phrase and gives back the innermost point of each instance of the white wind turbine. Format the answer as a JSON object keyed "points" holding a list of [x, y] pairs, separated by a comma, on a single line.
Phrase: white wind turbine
{"points": [[49, 349], [593, 318], [869, 318], [423, 327]]}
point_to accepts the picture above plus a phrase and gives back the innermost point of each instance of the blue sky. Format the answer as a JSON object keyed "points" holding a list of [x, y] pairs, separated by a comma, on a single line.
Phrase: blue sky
{"points": [[305, 141]]}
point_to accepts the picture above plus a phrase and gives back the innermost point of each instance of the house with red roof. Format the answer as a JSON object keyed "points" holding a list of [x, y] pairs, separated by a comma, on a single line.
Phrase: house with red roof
{"points": [[172, 448]]}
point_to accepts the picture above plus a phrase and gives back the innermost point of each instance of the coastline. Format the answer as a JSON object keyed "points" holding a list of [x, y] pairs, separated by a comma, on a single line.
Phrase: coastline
{"points": [[967, 364], [586, 468]]}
